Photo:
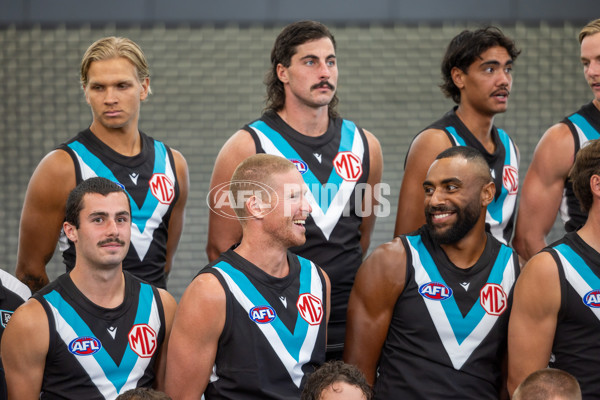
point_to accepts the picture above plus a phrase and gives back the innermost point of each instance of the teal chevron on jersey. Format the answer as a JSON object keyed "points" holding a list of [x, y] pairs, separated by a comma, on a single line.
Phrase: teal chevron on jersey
{"points": [[588, 130], [495, 209], [293, 341], [577, 264], [140, 216], [72, 326], [322, 197], [459, 140], [461, 326]]}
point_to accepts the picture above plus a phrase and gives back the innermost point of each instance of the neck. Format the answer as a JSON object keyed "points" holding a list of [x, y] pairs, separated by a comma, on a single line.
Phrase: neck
{"points": [[105, 288], [467, 251], [125, 141], [271, 258], [308, 121], [590, 232], [479, 125], [596, 103]]}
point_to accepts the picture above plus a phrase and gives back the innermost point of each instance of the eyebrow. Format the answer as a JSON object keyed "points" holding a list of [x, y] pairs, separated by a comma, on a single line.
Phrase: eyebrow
{"points": [[443, 182], [105, 214], [309, 56], [495, 62]]}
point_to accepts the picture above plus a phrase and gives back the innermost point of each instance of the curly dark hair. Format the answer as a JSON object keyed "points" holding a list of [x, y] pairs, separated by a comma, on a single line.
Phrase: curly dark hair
{"points": [[284, 48], [587, 164], [330, 373], [465, 47]]}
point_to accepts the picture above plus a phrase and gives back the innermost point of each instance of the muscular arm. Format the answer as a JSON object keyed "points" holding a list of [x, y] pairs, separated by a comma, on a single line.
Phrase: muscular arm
{"points": [[371, 199], [542, 190], [423, 151], [24, 348], [223, 232], [198, 324], [169, 306], [533, 322], [178, 213], [379, 282], [42, 217]]}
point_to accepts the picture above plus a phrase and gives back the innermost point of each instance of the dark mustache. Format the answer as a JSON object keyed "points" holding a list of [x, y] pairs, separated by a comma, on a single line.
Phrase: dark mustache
{"points": [[111, 240], [323, 84], [432, 209], [502, 90]]}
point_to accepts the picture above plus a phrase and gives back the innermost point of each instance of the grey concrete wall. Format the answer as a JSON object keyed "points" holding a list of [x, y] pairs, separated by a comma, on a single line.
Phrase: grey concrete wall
{"points": [[207, 83]]}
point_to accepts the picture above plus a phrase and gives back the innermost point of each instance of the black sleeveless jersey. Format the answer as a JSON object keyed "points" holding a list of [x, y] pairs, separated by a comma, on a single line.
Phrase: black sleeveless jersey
{"points": [[150, 181], [335, 167], [576, 347], [504, 167], [584, 126], [447, 336], [99, 353], [275, 328]]}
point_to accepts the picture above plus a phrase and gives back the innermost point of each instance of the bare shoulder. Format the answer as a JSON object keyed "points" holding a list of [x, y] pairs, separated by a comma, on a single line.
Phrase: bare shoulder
{"points": [[556, 148], [29, 320], [205, 287], [57, 164], [432, 141], [167, 299], [387, 263], [241, 144], [540, 269]]}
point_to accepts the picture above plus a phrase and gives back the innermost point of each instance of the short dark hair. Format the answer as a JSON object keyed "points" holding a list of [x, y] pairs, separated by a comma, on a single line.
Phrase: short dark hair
{"points": [[97, 185], [143, 393], [330, 373], [470, 154], [548, 383], [465, 47], [292, 36], [587, 164]]}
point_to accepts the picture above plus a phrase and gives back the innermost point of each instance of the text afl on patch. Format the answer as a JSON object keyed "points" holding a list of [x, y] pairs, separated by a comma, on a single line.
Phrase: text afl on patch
{"points": [[262, 314], [84, 346], [592, 298], [435, 291]]}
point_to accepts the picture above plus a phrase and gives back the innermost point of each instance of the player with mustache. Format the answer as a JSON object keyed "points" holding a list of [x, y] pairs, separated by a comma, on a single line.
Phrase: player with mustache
{"points": [[477, 76]]}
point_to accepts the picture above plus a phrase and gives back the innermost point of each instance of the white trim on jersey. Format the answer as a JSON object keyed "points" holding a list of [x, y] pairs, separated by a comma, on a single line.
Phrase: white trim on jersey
{"points": [[459, 353], [14, 285], [576, 281]]}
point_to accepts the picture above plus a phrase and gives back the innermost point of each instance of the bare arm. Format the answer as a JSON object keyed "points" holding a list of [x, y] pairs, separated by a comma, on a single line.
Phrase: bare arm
{"points": [[198, 324], [542, 190], [178, 214], [169, 306], [379, 282], [423, 151], [42, 217], [24, 349], [223, 232], [371, 199], [533, 322]]}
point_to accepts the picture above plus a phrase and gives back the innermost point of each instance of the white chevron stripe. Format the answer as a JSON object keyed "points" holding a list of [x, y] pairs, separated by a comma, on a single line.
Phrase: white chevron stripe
{"points": [[577, 281]]}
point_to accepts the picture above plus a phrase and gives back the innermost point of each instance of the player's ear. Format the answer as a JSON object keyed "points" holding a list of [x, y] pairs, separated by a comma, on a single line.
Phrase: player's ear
{"points": [[457, 75], [70, 232], [282, 73], [595, 185], [488, 191], [255, 207]]}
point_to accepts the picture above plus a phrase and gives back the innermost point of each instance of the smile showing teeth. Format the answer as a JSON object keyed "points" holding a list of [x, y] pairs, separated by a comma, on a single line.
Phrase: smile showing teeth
{"points": [[439, 216], [299, 222]]}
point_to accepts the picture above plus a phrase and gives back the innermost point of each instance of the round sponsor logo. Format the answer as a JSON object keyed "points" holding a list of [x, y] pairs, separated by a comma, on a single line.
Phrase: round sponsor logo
{"points": [[348, 165], [592, 298], [510, 179], [142, 340], [85, 346], [310, 308], [493, 299], [162, 188], [435, 291], [222, 201], [262, 314], [301, 166]]}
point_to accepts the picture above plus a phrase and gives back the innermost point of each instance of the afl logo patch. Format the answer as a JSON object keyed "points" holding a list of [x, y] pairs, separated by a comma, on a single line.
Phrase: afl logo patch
{"points": [[310, 308], [510, 179], [592, 298], [162, 188], [493, 299], [435, 291], [262, 314], [348, 165], [301, 166], [85, 346]]}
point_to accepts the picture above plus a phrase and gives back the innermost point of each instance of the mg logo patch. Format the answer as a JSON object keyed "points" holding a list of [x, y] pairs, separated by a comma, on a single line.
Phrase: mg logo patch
{"points": [[510, 179], [142, 340], [310, 308], [493, 299], [162, 188], [348, 166]]}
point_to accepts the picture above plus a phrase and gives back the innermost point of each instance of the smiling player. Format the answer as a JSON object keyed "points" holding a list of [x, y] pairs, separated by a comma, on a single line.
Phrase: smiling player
{"points": [[253, 323], [428, 312]]}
